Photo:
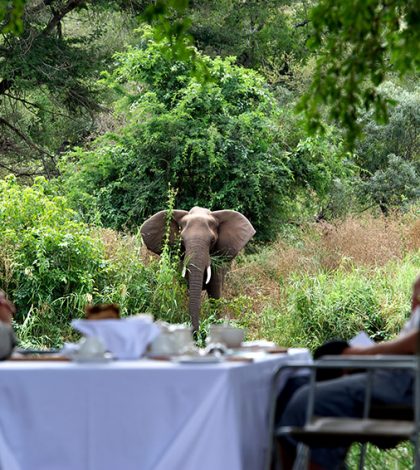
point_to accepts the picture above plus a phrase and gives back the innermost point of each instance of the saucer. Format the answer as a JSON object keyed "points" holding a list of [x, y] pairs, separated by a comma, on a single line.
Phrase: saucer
{"points": [[84, 358], [198, 359]]}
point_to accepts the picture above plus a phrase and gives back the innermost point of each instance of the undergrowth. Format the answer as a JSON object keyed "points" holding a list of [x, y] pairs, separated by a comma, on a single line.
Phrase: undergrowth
{"points": [[318, 282]]}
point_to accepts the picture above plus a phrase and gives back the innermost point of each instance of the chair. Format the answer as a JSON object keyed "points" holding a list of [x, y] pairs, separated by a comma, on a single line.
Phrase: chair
{"points": [[372, 428]]}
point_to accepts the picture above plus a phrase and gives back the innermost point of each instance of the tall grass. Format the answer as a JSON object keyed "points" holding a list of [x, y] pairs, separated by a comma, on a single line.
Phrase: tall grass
{"points": [[329, 281]]}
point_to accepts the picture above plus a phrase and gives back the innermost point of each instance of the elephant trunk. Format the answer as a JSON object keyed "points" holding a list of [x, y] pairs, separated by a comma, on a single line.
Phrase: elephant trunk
{"points": [[198, 261]]}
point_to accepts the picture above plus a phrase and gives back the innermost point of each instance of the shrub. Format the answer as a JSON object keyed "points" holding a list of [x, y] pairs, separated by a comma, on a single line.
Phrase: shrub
{"points": [[46, 252], [388, 154], [217, 143], [395, 185], [399, 136]]}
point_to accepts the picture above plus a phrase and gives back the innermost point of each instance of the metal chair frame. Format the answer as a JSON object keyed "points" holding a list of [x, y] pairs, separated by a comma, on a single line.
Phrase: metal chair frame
{"points": [[367, 363]]}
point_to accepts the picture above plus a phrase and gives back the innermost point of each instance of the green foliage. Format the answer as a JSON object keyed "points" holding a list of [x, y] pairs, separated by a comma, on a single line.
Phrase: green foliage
{"points": [[339, 304], [169, 293], [216, 142], [46, 254], [52, 265], [399, 136], [49, 97], [262, 35], [393, 186], [319, 164], [172, 24], [11, 12], [399, 458], [357, 41], [211, 142]]}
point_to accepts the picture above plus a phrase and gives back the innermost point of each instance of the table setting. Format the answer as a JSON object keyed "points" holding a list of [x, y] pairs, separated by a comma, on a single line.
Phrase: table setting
{"points": [[140, 395], [139, 337]]}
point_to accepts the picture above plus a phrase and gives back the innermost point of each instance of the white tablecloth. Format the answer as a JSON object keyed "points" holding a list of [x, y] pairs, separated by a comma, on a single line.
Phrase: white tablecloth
{"points": [[139, 415]]}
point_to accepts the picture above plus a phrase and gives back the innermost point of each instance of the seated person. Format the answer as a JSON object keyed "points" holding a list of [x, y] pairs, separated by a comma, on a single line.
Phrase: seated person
{"points": [[344, 396], [7, 337]]}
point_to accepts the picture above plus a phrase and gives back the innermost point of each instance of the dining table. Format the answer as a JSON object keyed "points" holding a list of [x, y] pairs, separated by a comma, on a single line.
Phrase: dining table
{"points": [[142, 414]]}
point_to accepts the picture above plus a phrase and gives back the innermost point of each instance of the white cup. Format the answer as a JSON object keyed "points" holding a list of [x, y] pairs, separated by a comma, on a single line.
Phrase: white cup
{"points": [[91, 346], [231, 336], [163, 344], [182, 339]]}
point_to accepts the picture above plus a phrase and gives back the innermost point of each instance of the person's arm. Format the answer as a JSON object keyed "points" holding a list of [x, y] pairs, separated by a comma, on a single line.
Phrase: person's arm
{"points": [[7, 337], [7, 309], [402, 345], [7, 340]]}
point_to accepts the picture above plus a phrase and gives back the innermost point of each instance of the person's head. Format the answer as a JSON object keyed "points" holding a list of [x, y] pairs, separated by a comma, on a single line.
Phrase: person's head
{"points": [[7, 309], [415, 301]]}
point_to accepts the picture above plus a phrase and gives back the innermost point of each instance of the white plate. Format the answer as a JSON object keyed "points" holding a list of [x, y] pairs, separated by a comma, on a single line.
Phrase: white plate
{"points": [[83, 358], [198, 359]]}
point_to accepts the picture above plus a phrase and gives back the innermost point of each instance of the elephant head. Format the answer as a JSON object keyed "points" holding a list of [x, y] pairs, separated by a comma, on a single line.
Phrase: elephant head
{"points": [[203, 233]]}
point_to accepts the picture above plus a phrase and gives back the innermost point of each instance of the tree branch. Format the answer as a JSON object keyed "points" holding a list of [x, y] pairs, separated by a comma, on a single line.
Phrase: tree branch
{"points": [[302, 23], [20, 173], [34, 105], [60, 14], [26, 139]]}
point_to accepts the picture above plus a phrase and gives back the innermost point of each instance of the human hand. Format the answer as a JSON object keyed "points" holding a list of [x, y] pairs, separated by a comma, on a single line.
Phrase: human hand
{"points": [[7, 309]]}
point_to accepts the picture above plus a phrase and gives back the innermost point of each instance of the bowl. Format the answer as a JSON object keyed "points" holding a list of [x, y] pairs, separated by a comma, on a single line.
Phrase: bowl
{"points": [[226, 334]]}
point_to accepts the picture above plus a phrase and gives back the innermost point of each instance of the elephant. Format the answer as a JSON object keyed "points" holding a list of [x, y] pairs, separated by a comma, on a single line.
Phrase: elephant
{"points": [[203, 233]]}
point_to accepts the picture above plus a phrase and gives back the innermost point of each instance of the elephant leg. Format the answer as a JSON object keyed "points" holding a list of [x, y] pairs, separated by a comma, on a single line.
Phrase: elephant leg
{"points": [[215, 286]]}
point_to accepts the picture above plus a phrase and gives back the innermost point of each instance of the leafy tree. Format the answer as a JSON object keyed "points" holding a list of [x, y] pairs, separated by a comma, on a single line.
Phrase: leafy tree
{"points": [[262, 35], [49, 99], [358, 43], [216, 142], [388, 155], [400, 136], [394, 185]]}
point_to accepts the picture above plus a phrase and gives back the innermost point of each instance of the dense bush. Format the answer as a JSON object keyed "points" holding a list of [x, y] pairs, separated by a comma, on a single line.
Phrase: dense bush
{"points": [[388, 155], [46, 253], [396, 185], [52, 265], [217, 143], [399, 136]]}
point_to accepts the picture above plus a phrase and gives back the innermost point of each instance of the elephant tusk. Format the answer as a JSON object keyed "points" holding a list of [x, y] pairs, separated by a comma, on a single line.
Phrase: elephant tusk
{"points": [[184, 271], [208, 274]]}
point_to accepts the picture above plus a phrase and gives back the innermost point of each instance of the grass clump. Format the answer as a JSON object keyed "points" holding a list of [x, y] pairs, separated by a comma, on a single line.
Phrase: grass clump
{"points": [[332, 280], [339, 304]]}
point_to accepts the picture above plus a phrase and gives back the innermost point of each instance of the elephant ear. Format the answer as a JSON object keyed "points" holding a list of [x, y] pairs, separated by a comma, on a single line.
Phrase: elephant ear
{"points": [[234, 232], [154, 229]]}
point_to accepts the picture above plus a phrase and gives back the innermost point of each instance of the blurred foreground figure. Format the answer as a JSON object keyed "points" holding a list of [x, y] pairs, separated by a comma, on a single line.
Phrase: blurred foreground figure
{"points": [[7, 337], [344, 396]]}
